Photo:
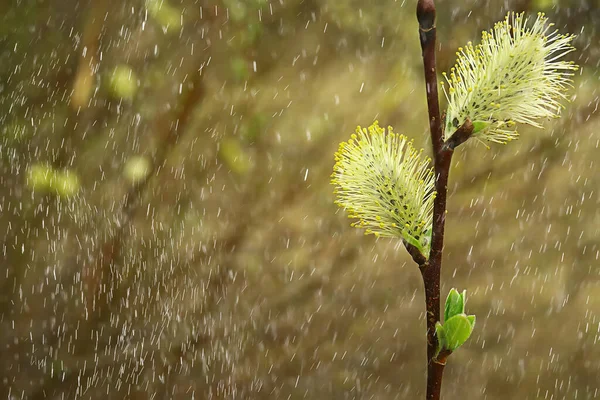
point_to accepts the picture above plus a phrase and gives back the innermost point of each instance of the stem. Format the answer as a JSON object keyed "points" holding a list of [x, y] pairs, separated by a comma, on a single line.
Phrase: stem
{"points": [[427, 36], [431, 274], [430, 271], [442, 157]]}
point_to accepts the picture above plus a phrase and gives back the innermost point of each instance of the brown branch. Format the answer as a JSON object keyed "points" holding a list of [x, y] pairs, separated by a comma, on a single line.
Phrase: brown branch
{"points": [[84, 82], [431, 271], [415, 253], [442, 156], [462, 134], [427, 36]]}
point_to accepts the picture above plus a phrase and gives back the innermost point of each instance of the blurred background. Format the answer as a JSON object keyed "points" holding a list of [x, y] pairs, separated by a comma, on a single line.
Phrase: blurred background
{"points": [[168, 227]]}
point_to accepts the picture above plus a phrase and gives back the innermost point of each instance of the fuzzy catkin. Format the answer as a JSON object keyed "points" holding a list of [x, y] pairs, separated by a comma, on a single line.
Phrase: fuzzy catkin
{"points": [[386, 184], [515, 75]]}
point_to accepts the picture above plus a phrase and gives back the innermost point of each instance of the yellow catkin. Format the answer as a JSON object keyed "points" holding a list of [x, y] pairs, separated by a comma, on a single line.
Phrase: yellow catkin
{"points": [[387, 184], [515, 75]]}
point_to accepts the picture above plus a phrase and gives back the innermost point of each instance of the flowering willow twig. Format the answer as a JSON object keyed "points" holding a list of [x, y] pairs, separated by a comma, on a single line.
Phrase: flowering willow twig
{"points": [[513, 76], [442, 157]]}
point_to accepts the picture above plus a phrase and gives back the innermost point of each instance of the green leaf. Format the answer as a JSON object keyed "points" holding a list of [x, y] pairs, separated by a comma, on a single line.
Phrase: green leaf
{"points": [[414, 242], [478, 126], [471, 319], [455, 304], [441, 337], [457, 330]]}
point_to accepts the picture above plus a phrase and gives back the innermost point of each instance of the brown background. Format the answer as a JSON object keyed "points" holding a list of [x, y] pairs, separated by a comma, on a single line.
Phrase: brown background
{"points": [[229, 273]]}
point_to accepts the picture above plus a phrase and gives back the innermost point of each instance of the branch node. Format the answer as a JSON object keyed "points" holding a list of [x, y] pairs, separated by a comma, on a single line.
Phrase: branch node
{"points": [[416, 255], [442, 357], [462, 134]]}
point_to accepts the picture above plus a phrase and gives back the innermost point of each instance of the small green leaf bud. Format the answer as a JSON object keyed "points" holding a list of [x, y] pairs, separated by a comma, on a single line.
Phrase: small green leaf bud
{"points": [[457, 330], [441, 337], [455, 304], [478, 126], [471, 319]]}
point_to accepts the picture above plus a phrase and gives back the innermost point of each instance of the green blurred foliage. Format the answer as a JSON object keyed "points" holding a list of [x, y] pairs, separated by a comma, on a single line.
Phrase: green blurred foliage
{"points": [[166, 15], [123, 82], [233, 155]]}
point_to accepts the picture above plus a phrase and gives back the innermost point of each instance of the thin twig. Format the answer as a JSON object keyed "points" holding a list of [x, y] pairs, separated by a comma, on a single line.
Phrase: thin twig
{"points": [[462, 134], [442, 158], [415, 253]]}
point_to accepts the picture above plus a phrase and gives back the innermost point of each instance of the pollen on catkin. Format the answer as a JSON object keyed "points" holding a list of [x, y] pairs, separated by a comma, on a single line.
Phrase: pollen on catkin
{"points": [[386, 184], [515, 75]]}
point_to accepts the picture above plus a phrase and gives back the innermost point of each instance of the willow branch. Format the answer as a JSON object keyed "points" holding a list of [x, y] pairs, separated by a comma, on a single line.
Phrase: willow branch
{"points": [[462, 134], [442, 158], [415, 253]]}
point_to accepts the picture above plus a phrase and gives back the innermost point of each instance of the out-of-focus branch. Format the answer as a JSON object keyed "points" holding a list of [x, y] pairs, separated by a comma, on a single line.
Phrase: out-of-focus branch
{"points": [[83, 85]]}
